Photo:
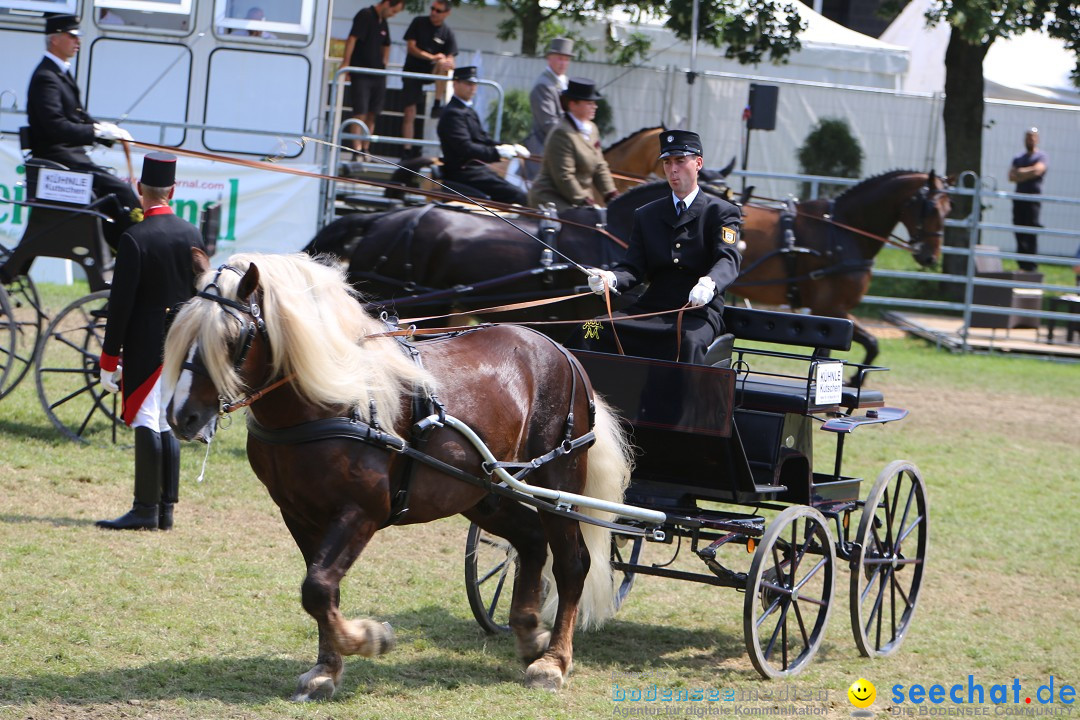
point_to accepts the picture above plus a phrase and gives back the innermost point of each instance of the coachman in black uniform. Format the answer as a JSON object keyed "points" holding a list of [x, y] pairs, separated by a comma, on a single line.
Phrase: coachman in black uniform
{"points": [[152, 278], [466, 146], [685, 246], [60, 128]]}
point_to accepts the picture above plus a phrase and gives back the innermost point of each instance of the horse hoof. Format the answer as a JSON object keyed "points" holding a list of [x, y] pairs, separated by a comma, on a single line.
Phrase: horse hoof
{"points": [[544, 675], [386, 641], [530, 650], [366, 638], [315, 684]]}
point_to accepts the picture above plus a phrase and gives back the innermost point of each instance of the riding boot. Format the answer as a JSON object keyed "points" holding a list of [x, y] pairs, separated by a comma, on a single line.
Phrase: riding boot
{"points": [[144, 511], [170, 479]]}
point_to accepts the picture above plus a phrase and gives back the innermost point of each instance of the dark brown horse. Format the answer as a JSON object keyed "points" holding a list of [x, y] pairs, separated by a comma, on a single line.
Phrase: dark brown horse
{"points": [[828, 269], [332, 399]]}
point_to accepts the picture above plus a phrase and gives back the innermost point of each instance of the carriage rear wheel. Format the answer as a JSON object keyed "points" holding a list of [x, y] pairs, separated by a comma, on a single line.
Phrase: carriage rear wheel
{"points": [[67, 372], [886, 574], [789, 592], [25, 316], [8, 339], [490, 568]]}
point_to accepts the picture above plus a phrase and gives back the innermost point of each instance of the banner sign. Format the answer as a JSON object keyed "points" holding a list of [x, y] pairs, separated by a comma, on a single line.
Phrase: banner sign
{"points": [[262, 211], [64, 186]]}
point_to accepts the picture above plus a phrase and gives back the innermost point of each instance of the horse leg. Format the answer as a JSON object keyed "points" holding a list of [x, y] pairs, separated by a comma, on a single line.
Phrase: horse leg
{"points": [[340, 545], [522, 529], [569, 565], [865, 338]]}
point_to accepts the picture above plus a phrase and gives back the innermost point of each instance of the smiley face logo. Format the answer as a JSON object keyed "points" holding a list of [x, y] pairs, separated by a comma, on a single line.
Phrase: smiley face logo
{"points": [[862, 693]]}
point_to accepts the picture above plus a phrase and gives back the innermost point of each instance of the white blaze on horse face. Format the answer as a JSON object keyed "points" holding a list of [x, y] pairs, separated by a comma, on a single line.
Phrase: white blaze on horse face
{"points": [[182, 391]]}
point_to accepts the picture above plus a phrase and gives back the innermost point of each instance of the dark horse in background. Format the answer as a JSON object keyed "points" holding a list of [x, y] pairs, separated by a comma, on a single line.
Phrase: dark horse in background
{"points": [[826, 268], [332, 399]]}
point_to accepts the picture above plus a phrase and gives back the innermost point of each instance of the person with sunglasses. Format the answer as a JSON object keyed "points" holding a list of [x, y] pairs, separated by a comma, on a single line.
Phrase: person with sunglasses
{"points": [[430, 48]]}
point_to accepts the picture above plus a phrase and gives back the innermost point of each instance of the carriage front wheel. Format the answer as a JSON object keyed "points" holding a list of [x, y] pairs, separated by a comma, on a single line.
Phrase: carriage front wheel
{"points": [[789, 592], [23, 315], [67, 372], [490, 568], [886, 573]]}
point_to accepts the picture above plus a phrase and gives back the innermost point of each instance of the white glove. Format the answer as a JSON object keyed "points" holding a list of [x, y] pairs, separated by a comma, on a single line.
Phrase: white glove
{"points": [[506, 151], [522, 151], [110, 379], [109, 131], [703, 292], [598, 278]]}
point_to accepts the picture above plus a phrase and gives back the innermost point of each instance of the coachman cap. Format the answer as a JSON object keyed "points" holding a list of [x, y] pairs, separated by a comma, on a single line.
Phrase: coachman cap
{"points": [[466, 74], [560, 46], [159, 170], [581, 89], [62, 24], [679, 142]]}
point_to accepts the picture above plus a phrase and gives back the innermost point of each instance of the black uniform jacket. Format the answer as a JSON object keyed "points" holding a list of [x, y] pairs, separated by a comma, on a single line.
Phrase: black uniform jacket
{"points": [[672, 253], [463, 138], [59, 126], [152, 277]]}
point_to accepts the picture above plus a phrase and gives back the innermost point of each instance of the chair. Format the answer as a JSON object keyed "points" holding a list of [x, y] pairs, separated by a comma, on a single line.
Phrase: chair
{"points": [[989, 266]]}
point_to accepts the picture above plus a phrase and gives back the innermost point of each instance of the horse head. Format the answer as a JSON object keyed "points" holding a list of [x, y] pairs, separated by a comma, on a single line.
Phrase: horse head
{"points": [[924, 216]]}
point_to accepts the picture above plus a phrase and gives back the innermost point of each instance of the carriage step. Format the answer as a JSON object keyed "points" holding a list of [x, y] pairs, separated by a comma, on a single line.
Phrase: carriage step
{"points": [[769, 489]]}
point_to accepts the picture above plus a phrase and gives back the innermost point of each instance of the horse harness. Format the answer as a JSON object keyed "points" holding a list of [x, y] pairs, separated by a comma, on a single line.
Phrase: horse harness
{"points": [[428, 413]]}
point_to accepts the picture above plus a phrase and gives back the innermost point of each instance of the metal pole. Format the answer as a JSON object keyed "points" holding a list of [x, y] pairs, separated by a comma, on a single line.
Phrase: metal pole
{"points": [[692, 75]]}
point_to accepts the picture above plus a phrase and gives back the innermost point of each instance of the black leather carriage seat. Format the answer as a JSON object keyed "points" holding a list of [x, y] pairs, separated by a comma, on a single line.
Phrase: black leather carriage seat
{"points": [[791, 396]]}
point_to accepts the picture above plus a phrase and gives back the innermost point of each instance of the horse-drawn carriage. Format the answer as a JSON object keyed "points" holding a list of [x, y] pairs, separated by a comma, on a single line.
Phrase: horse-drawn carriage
{"points": [[65, 221], [740, 434], [501, 424]]}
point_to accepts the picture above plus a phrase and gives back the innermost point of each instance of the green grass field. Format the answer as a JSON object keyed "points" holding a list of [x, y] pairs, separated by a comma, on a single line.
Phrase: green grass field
{"points": [[205, 621]]}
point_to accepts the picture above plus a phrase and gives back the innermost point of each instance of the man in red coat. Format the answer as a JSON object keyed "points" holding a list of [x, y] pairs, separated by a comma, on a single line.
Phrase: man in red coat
{"points": [[152, 278]]}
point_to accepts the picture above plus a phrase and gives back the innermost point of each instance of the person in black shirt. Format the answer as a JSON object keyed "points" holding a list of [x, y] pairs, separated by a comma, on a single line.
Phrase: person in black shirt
{"points": [[1027, 171], [368, 46], [431, 48]]}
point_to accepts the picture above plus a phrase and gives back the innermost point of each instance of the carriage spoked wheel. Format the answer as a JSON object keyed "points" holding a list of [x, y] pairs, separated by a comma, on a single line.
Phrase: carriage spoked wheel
{"points": [[67, 372], [25, 317], [886, 574], [789, 592], [490, 568], [8, 339]]}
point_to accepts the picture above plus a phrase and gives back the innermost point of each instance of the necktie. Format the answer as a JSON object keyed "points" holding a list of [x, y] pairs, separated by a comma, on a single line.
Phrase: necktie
{"points": [[680, 207]]}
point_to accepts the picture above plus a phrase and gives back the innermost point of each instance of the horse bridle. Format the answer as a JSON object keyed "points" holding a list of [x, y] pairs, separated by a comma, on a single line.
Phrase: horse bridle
{"points": [[249, 328], [927, 196]]}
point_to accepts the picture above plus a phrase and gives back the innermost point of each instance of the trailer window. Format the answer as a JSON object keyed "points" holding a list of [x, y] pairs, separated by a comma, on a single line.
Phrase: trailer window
{"points": [[260, 21], [17, 9], [172, 16]]}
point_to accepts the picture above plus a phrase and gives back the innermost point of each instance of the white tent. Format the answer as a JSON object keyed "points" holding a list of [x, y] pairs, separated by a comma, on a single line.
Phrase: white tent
{"points": [[1032, 67]]}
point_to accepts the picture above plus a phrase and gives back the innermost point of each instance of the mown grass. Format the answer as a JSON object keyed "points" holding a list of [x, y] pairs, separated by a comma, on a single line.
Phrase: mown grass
{"points": [[205, 621]]}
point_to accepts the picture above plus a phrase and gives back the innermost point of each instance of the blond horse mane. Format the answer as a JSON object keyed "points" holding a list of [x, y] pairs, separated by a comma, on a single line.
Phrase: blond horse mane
{"points": [[318, 333]]}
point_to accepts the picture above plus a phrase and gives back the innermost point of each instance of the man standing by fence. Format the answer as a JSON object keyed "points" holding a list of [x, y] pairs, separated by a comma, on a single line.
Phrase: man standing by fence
{"points": [[1027, 171], [368, 46], [430, 48]]}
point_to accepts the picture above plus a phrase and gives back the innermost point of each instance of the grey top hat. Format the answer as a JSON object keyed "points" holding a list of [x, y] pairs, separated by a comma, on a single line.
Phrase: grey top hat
{"points": [[62, 24], [679, 142], [560, 46], [581, 89]]}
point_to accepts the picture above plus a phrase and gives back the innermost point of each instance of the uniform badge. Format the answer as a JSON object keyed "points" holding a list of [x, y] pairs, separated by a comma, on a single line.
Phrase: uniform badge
{"points": [[592, 330], [729, 236], [671, 138]]}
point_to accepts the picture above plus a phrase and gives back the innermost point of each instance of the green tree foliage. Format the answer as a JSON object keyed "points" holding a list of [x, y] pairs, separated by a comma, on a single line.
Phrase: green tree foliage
{"points": [[830, 149], [516, 117]]}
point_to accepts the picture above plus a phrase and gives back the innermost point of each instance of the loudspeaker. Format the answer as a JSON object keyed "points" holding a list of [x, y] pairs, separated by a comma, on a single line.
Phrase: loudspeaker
{"points": [[762, 103]]}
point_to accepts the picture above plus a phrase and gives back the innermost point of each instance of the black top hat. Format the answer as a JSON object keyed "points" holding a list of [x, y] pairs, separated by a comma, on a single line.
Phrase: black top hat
{"points": [[581, 89], [467, 74], [62, 24], [159, 170], [679, 142]]}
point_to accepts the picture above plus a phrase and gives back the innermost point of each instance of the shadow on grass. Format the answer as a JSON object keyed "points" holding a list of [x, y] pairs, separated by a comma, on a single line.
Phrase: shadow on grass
{"points": [[54, 521], [33, 431]]}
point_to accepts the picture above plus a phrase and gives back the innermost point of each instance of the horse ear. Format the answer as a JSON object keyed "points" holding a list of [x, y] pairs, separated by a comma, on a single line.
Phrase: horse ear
{"points": [[931, 178], [249, 283], [200, 261]]}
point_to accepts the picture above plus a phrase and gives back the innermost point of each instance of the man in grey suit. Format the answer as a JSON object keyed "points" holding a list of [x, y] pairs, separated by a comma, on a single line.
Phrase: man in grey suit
{"points": [[544, 98]]}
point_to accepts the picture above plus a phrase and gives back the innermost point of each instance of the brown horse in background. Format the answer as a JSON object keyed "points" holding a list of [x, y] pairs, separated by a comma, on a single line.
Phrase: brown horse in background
{"points": [[334, 409], [828, 267]]}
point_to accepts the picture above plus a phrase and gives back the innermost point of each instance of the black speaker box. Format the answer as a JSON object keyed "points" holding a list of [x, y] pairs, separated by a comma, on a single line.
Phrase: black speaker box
{"points": [[763, 99]]}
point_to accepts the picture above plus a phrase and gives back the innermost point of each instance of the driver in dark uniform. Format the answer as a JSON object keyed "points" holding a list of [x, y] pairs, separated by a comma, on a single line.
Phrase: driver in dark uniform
{"points": [[466, 147], [60, 128], [685, 246], [153, 277]]}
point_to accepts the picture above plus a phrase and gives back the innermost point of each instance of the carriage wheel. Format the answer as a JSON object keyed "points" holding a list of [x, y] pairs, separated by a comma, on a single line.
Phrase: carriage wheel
{"points": [[27, 318], [789, 592], [490, 568], [67, 374], [886, 575], [8, 340]]}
